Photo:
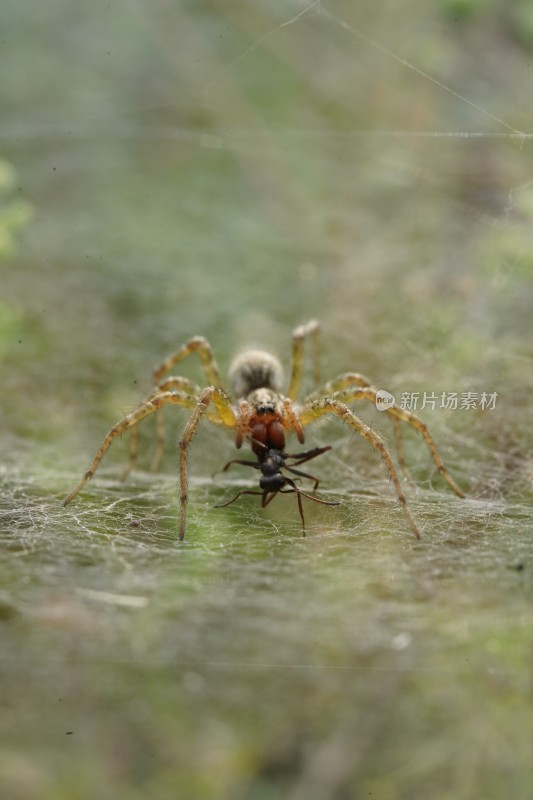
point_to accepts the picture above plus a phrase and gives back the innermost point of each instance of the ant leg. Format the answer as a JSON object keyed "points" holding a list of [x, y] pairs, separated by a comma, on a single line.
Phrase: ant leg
{"points": [[309, 496], [267, 498], [299, 494], [301, 458], [239, 494], [237, 461], [300, 509], [301, 474]]}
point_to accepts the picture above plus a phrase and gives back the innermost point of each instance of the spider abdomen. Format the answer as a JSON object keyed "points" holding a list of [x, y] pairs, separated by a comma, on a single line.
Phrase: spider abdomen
{"points": [[255, 369]]}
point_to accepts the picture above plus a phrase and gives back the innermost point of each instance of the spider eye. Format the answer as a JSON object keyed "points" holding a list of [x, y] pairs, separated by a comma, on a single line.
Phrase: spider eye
{"points": [[265, 409]]}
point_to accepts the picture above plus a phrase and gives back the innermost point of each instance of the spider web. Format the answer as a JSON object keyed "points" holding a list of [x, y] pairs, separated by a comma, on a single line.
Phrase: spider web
{"points": [[318, 9], [147, 641], [319, 13]]}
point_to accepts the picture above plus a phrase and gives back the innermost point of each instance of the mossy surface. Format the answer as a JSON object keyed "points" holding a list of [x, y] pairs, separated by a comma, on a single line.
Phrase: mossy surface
{"points": [[187, 168]]}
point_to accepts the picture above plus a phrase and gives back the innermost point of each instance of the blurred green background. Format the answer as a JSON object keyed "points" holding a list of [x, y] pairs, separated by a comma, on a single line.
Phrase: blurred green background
{"points": [[233, 169]]}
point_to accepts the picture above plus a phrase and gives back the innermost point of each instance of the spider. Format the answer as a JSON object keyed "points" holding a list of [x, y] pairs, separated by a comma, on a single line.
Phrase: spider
{"points": [[263, 415]]}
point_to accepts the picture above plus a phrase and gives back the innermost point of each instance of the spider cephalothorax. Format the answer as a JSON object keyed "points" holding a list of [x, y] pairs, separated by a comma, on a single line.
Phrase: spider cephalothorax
{"points": [[263, 415], [257, 378]]}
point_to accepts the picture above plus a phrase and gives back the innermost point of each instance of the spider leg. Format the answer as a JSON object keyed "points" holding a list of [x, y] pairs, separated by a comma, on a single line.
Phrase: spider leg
{"points": [[134, 447], [226, 413], [421, 427], [134, 451], [160, 442], [340, 390], [313, 411], [355, 378], [399, 448], [338, 387], [173, 382], [346, 381], [312, 329], [200, 345], [131, 421], [212, 394], [183, 385], [195, 345]]}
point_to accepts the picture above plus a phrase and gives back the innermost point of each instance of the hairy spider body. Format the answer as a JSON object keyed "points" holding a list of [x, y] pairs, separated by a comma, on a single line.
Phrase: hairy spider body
{"points": [[263, 415]]}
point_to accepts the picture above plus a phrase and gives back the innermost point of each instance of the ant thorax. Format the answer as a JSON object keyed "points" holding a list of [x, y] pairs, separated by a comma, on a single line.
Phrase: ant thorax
{"points": [[254, 370]]}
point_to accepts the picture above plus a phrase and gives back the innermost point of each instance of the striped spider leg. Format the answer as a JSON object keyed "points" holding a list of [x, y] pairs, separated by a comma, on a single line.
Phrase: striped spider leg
{"points": [[200, 406], [352, 386], [199, 345]]}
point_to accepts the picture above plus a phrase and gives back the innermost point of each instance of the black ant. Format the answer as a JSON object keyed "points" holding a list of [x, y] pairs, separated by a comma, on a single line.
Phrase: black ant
{"points": [[271, 462]]}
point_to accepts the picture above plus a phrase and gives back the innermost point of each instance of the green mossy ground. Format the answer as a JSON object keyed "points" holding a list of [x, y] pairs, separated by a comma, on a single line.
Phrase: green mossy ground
{"points": [[173, 170]]}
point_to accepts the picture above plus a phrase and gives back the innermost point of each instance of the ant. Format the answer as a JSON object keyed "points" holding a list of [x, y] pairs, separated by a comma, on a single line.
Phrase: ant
{"points": [[271, 461]]}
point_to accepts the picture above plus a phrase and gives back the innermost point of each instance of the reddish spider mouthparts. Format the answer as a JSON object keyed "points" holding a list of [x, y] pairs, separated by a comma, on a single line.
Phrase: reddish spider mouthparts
{"points": [[263, 415]]}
